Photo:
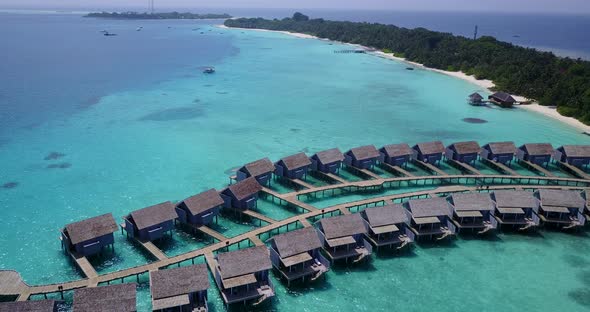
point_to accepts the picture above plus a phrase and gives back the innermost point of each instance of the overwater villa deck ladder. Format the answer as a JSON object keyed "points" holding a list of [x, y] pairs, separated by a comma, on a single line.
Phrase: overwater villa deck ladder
{"points": [[405, 241], [446, 233], [529, 224], [487, 227], [266, 293]]}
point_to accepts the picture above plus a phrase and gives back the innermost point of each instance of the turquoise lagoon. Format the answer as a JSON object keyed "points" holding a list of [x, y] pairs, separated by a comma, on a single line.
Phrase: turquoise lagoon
{"points": [[274, 95]]}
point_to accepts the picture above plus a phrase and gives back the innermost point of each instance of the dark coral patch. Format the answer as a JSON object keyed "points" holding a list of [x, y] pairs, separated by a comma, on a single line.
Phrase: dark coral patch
{"points": [[179, 113], [10, 185], [54, 156], [59, 166], [474, 120], [581, 296]]}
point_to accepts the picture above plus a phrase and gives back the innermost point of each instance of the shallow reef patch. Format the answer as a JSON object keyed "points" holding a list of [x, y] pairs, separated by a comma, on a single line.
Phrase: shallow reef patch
{"points": [[581, 296], [54, 156], [9, 185], [64, 165], [171, 114]]}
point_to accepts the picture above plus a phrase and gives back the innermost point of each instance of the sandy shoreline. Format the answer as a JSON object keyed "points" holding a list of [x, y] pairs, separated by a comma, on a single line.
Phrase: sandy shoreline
{"points": [[547, 111]]}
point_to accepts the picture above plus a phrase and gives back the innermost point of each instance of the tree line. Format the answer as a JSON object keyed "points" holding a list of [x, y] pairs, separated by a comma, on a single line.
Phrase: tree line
{"points": [[538, 75]]}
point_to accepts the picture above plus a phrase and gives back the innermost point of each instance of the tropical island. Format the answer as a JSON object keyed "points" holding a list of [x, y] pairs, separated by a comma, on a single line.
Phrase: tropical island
{"points": [[543, 76], [150, 16]]}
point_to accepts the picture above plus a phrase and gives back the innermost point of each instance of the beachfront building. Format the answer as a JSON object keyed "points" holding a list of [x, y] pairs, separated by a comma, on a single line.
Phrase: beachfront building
{"points": [[242, 195], [476, 99], [561, 208], [29, 306], [261, 169], [535, 153], [200, 209], [464, 152], [396, 154], [293, 167], [296, 255], [328, 161], [120, 298], [389, 226], [364, 157], [516, 209], [575, 155], [473, 211], [342, 238], [242, 275], [429, 152], [180, 289], [502, 99], [431, 217], [499, 152], [150, 223], [88, 237]]}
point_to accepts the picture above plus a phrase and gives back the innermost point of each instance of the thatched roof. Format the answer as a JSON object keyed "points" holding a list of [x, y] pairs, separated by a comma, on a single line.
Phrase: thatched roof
{"points": [[503, 96], [179, 281], [472, 201], [243, 261], [345, 225], [296, 242], [561, 198], [330, 156], [28, 306], [364, 152], [296, 161], [386, 215], [154, 215], [538, 149], [476, 96], [120, 298], [429, 207], [203, 202], [245, 188], [577, 150], [502, 147], [428, 148], [396, 150], [515, 199], [88, 229], [469, 147], [259, 167]]}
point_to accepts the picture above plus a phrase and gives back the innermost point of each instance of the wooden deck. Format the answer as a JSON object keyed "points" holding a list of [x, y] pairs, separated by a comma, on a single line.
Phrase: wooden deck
{"points": [[211, 233], [464, 167], [153, 250], [537, 168], [500, 166], [301, 183], [11, 284], [397, 169], [259, 216], [574, 170], [432, 168], [84, 265]]}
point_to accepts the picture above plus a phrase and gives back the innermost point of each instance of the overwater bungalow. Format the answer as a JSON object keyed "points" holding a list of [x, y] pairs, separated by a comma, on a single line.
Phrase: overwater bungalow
{"points": [[499, 152], [431, 217], [396, 154], [429, 152], [389, 226], [88, 237], [575, 155], [342, 238], [502, 99], [261, 169], [464, 152], [476, 99], [536, 153], [364, 157], [473, 211], [150, 223], [242, 195], [180, 289], [296, 255], [29, 306], [120, 298], [328, 161], [561, 208], [516, 209], [293, 167], [242, 275], [200, 209]]}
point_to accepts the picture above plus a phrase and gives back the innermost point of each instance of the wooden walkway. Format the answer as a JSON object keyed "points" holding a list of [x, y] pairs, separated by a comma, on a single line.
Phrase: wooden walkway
{"points": [[398, 170], [336, 178], [255, 240], [500, 166], [16, 285], [211, 233], [537, 168], [464, 167], [153, 249], [574, 170], [259, 216], [370, 173], [84, 265], [430, 167], [301, 183]]}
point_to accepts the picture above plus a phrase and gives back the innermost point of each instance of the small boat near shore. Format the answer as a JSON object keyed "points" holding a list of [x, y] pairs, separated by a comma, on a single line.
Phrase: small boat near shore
{"points": [[209, 70]]}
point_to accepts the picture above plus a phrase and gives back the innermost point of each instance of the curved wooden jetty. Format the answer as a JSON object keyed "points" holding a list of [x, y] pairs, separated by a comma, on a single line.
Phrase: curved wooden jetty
{"points": [[442, 184]]}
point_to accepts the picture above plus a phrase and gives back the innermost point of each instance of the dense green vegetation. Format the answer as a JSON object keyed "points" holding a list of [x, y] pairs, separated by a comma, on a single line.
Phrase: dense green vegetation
{"points": [[170, 15], [549, 79]]}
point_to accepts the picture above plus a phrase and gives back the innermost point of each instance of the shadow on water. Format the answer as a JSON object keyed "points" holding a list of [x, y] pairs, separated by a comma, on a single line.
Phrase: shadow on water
{"points": [[580, 296], [64, 165], [178, 113], [474, 120], [10, 185], [54, 156], [386, 253], [488, 237]]}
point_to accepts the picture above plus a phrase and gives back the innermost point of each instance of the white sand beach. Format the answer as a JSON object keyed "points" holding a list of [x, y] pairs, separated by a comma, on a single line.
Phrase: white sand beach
{"points": [[548, 111]]}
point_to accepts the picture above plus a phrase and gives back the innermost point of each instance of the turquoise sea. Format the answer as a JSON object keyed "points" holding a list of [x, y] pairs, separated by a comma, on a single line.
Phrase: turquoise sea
{"points": [[131, 121]]}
